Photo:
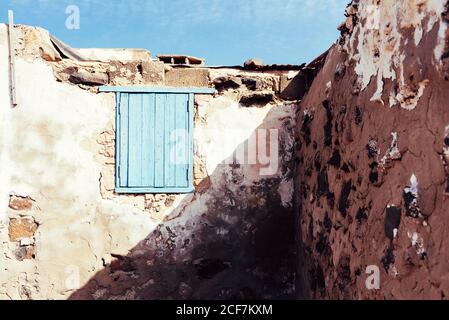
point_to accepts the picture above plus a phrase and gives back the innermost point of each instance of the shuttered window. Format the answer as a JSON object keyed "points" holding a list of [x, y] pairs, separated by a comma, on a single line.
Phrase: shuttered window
{"points": [[154, 140]]}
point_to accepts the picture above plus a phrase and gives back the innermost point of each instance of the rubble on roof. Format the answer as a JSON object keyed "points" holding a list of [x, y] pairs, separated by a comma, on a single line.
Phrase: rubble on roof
{"points": [[253, 64], [89, 68], [175, 59]]}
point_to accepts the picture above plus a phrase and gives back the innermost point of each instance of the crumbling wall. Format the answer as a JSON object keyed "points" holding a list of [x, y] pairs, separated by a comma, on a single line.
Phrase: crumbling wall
{"points": [[372, 179], [65, 233]]}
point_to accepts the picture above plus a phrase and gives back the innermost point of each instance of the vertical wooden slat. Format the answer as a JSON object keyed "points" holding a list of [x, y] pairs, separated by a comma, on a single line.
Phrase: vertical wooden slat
{"points": [[123, 161], [170, 159], [173, 140], [160, 142], [148, 109], [167, 111], [191, 111], [181, 140], [135, 141], [153, 145], [117, 139]]}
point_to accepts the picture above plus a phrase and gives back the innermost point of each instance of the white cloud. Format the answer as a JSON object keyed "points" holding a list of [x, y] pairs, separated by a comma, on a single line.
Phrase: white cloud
{"points": [[183, 13], [255, 12]]}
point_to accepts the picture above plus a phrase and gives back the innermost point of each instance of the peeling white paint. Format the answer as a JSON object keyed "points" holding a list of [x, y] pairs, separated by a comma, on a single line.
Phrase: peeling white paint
{"points": [[441, 44], [446, 148], [378, 55], [413, 187], [393, 152], [407, 98], [285, 190]]}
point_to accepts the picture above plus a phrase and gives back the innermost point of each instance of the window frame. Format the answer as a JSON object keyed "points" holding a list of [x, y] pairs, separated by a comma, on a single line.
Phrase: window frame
{"points": [[155, 90]]}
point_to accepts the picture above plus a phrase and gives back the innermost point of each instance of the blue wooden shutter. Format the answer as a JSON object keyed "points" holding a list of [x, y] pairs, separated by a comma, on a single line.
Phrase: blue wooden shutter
{"points": [[154, 142]]}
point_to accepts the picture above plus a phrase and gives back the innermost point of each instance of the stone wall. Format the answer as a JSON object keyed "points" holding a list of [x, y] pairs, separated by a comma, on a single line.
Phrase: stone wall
{"points": [[372, 150], [65, 233]]}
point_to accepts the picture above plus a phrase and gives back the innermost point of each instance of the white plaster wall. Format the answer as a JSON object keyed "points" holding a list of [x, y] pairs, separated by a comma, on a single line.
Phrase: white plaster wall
{"points": [[5, 123], [49, 152], [220, 137]]}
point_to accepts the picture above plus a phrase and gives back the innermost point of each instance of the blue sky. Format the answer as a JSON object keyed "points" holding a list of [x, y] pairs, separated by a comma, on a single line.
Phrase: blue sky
{"points": [[225, 32]]}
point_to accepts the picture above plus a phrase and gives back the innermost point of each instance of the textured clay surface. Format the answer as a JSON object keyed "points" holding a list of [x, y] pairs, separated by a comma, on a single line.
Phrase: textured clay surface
{"points": [[372, 176]]}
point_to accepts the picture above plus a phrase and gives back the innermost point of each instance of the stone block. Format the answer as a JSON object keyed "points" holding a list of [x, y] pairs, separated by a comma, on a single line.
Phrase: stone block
{"points": [[225, 83], [187, 77], [258, 99], [88, 78], [25, 253], [153, 72], [20, 203], [259, 84], [21, 228]]}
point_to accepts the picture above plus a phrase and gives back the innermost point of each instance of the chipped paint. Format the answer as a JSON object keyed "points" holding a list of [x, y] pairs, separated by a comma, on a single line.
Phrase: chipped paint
{"points": [[418, 243], [379, 53], [392, 153]]}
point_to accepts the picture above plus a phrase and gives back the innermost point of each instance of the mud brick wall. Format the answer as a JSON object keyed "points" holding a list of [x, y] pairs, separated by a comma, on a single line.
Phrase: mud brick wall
{"points": [[372, 174]]}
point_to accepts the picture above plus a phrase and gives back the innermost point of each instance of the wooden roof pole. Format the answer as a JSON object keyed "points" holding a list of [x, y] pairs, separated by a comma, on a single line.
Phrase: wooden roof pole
{"points": [[12, 75]]}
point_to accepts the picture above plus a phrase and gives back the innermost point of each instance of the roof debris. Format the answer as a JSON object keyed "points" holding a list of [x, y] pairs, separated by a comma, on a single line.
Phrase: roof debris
{"points": [[181, 60]]}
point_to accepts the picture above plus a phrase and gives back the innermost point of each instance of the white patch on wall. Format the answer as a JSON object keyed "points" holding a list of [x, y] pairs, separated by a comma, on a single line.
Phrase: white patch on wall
{"points": [[441, 42], [393, 152], [417, 242], [395, 232], [224, 131], [411, 193], [378, 54], [446, 148], [407, 98], [292, 74], [413, 187], [285, 191]]}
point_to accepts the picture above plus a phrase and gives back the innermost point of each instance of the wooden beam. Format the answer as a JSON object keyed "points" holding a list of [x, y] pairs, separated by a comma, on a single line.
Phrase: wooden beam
{"points": [[12, 75], [197, 90]]}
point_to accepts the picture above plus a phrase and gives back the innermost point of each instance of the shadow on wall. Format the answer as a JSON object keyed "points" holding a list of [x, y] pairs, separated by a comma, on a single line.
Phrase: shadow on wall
{"points": [[241, 247]]}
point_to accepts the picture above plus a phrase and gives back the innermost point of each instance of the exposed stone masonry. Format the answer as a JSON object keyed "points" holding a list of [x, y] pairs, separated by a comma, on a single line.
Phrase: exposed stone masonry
{"points": [[372, 177]]}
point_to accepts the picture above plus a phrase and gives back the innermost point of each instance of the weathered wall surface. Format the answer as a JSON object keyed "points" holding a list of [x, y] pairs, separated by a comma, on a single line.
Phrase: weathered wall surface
{"points": [[372, 176], [65, 233]]}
